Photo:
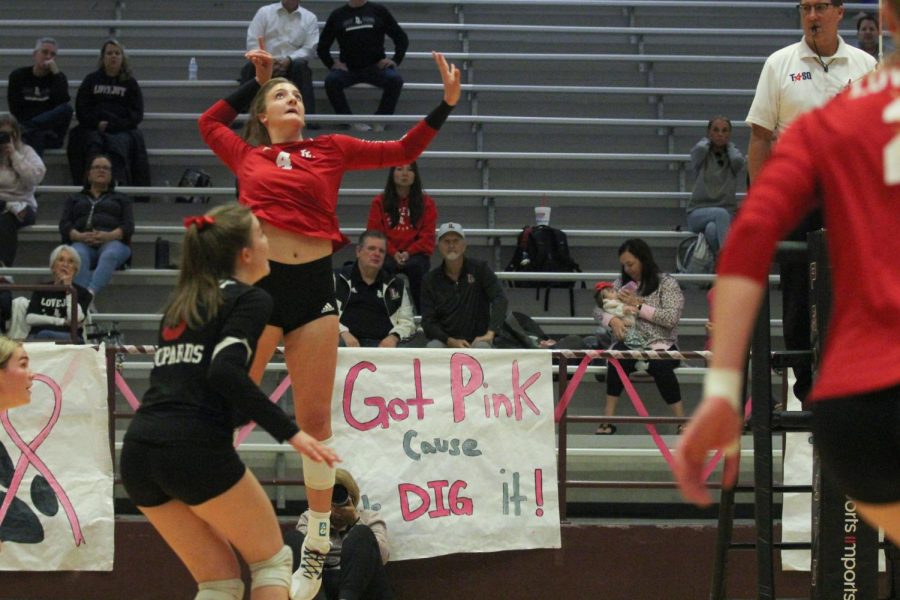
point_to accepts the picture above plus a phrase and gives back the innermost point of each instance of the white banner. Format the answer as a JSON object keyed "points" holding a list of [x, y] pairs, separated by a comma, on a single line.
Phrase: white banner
{"points": [[455, 449], [56, 474]]}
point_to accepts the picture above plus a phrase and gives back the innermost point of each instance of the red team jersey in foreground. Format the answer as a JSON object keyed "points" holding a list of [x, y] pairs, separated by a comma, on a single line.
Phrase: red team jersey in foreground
{"points": [[294, 186], [844, 158]]}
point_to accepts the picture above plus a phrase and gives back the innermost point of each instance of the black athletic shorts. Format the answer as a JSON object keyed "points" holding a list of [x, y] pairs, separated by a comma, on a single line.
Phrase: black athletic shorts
{"points": [[301, 293], [858, 438], [155, 473]]}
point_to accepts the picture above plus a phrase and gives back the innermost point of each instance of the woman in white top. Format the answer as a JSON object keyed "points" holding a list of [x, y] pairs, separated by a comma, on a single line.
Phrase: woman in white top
{"points": [[21, 170]]}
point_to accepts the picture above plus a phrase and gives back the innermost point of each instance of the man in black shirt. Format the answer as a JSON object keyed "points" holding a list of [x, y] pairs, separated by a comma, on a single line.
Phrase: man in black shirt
{"points": [[38, 97], [359, 28], [463, 304], [375, 308]]}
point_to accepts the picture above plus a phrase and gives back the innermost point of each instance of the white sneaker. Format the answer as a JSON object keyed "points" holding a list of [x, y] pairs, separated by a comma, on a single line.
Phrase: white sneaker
{"points": [[307, 579], [360, 127]]}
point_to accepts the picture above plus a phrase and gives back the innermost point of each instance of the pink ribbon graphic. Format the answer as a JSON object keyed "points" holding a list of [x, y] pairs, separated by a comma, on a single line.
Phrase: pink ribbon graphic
{"points": [[29, 455], [638, 407]]}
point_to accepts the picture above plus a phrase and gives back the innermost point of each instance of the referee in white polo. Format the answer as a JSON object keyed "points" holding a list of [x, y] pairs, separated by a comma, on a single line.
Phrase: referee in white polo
{"points": [[795, 79]]}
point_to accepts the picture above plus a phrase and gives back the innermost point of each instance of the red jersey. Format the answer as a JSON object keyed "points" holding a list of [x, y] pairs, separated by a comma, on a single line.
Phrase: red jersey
{"points": [[405, 236], [294, 186], [844, 158]]}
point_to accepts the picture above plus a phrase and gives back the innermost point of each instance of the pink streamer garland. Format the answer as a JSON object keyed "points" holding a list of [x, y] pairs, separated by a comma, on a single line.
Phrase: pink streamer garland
{"points": [[276, 395], [638, 407]]}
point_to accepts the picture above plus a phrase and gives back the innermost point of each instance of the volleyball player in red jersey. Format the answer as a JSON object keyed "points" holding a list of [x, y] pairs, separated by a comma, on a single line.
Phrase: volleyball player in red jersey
{"points": [[291, 184], [844, 158]]}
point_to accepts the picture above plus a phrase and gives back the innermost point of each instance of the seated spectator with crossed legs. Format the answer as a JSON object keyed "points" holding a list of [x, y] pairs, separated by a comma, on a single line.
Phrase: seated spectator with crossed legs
{"points": [[716, 163], [21, 170], [38, 96]]}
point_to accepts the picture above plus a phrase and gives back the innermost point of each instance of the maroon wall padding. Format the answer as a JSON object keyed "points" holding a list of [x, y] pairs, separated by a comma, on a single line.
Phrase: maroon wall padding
{"points": [[608, 561]]}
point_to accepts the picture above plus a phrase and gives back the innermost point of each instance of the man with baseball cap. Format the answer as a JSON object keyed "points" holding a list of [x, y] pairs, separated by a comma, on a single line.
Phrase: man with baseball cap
{"points": [[463, 304]]}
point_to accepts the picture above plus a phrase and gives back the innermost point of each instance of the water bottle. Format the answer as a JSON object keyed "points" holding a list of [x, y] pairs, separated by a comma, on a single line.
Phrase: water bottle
{"points": [[192, 69], [161, 254]]}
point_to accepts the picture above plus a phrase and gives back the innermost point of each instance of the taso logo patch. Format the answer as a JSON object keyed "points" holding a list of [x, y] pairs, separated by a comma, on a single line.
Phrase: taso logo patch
{"points": [[801, 76], [323, 529]]}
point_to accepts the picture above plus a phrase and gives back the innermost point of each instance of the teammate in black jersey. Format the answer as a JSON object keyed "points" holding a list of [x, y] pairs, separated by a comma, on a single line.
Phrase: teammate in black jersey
{"points": [[178, 463]]}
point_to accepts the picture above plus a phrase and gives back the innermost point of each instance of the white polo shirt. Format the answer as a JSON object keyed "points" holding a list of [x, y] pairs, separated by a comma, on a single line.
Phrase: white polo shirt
{"points": [[294, 34], [793, 81]]}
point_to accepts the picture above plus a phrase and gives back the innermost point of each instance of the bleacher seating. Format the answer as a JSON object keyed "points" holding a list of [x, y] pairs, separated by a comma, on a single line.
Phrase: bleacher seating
{"points": [[588, 105]]}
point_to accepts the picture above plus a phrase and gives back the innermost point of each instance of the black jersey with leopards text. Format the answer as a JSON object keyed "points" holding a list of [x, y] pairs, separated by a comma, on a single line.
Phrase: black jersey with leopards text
{"points": [[199, 385]]}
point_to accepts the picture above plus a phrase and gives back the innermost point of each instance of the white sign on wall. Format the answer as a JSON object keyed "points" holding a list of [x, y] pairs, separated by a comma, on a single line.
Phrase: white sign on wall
{"points": [[455, 449], [56, 474]]}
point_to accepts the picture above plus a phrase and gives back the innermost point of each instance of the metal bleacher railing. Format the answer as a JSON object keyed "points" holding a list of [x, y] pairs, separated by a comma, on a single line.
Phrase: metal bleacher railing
{"points": [[166, 276]]}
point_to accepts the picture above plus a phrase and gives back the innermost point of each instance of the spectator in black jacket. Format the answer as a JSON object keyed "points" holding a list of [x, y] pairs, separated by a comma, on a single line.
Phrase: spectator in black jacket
{"points": [[98, 222], [110, 106], [359, 28], [38, 97], [374, 307], [463, 304]]}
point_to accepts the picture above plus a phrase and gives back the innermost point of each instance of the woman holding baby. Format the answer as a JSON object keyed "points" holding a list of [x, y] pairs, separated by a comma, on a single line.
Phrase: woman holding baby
{"points": [[642, 312]]}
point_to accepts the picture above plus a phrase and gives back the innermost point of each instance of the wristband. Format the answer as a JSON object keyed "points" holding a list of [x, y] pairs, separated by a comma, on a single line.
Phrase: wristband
{"points": [[437, 117], [241, 98], [725, 384]]}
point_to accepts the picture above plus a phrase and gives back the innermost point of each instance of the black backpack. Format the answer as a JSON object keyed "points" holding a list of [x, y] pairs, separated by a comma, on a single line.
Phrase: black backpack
{"points": [[519, 331], [194, 178], [544, 249]]}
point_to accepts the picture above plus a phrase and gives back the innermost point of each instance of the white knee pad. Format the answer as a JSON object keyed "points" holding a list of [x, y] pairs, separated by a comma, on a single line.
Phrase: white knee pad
{"points": [[274, 571], [222, 589], [318, 475]]}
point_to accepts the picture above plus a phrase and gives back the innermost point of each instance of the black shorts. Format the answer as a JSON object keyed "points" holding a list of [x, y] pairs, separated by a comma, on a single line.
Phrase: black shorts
{"points": [[858, 438], [300, 293], [154, 474]]}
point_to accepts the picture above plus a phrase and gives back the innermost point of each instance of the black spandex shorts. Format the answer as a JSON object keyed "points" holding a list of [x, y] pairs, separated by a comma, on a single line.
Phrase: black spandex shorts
{"points": [[154, 473], [858, 438], [300, 293]]}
